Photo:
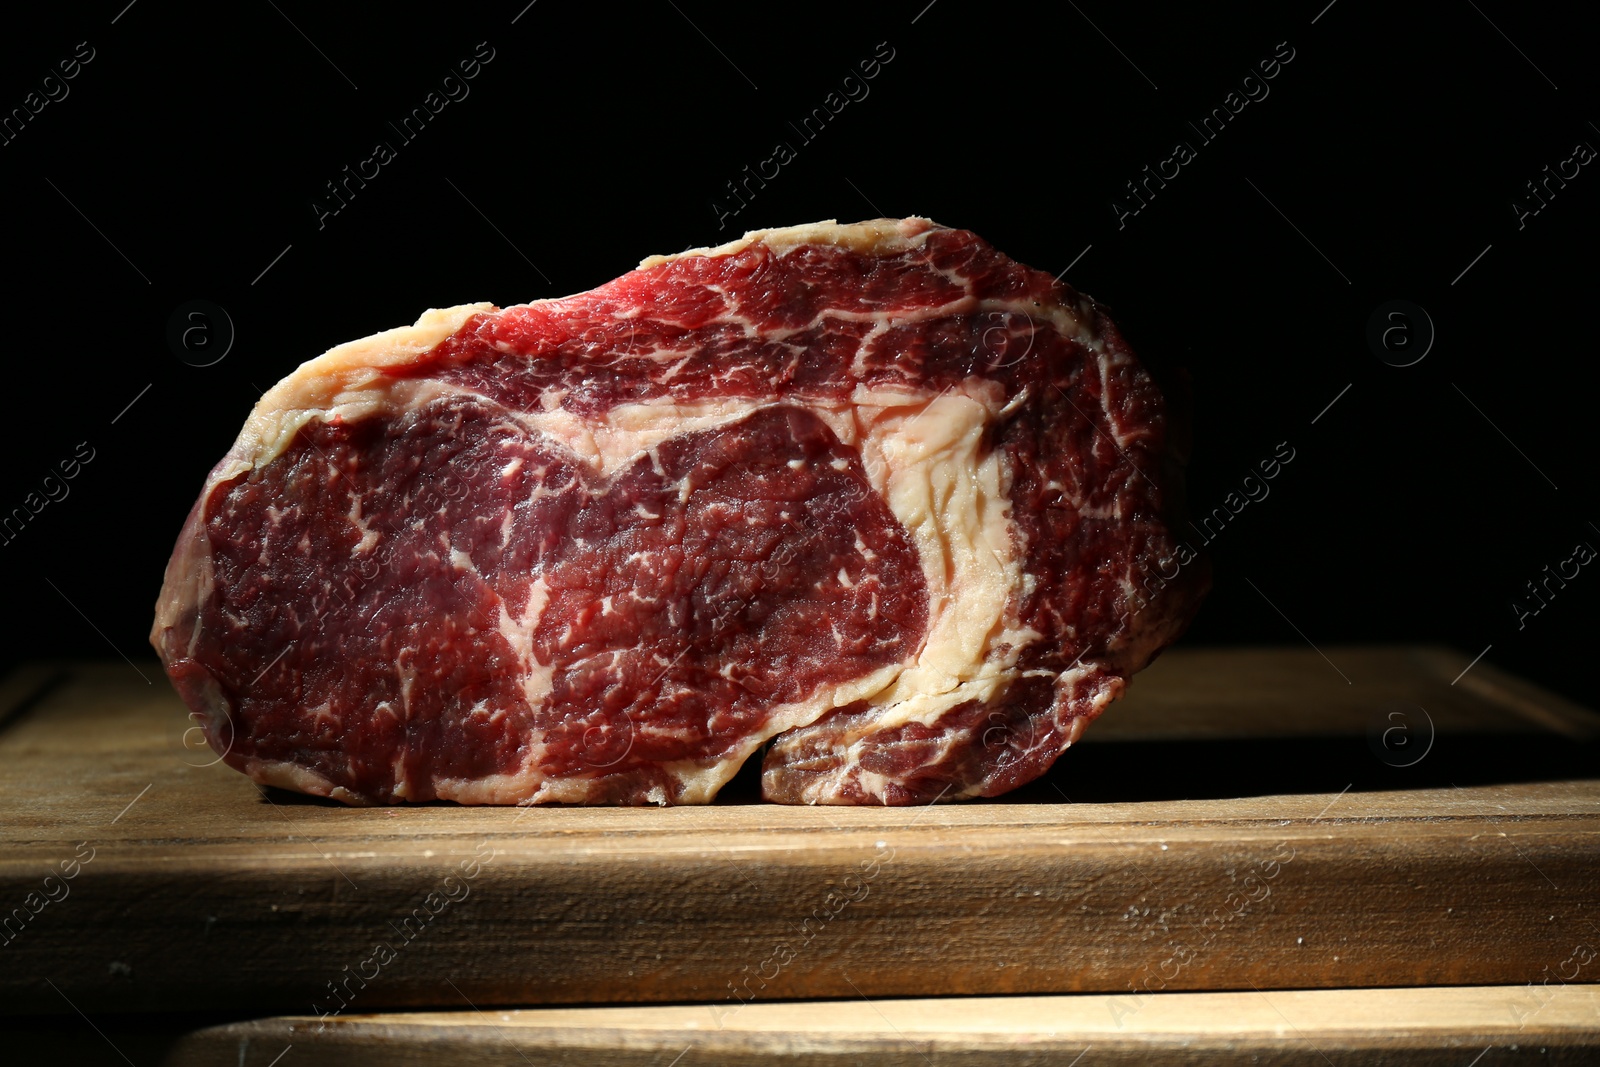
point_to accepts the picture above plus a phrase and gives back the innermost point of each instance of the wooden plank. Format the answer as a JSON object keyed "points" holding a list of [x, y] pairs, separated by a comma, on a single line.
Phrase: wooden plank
{"points": [[27, 683], [194, 888], [1209, 693], [1440, 1027]]}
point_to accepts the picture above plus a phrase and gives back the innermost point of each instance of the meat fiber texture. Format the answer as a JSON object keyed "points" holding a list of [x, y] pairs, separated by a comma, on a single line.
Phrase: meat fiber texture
{"points": [[874, 497]]}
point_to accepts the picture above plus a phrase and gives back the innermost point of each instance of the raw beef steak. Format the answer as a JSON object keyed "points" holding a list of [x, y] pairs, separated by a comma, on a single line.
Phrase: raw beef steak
{"points": [[875, 493]]}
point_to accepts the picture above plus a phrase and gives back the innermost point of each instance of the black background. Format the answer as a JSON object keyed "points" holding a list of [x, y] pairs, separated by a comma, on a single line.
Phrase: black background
{"points": [[185, 160]]}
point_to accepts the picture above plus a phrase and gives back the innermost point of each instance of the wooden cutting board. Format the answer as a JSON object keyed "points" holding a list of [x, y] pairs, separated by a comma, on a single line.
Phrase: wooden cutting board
{"points": [[1457, 1026], [1242, 819]]}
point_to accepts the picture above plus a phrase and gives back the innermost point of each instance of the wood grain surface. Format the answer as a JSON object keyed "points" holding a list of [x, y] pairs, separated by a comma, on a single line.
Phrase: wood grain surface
{"points": [[1469, 1026], [1231, 826]]}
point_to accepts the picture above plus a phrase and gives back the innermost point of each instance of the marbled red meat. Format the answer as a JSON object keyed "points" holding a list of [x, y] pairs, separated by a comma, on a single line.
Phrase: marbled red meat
{"points": [[875, 493]]}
